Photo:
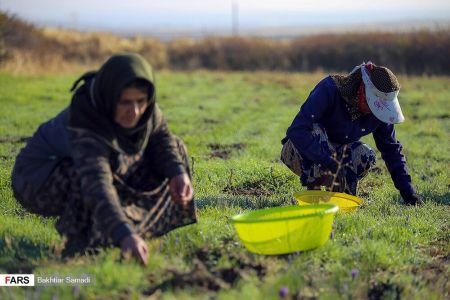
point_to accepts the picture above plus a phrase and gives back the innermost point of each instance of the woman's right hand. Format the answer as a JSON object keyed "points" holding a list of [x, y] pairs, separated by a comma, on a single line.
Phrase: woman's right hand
{"points": [[135, 245], [181, 189]]}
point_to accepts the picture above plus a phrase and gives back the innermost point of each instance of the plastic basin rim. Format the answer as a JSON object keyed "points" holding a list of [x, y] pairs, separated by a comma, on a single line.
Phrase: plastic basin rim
{"points": [[330, 208]]}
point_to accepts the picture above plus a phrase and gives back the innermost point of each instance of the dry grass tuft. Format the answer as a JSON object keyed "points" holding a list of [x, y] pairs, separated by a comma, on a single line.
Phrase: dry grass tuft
{"points": [[25, 48]]}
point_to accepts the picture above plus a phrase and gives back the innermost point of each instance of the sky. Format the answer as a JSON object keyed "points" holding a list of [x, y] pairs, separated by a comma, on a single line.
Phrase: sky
{"points": [[217, 14]]}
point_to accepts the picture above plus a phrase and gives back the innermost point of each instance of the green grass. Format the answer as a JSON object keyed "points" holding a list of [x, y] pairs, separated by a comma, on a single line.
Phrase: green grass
{"points": [[232, 124]]}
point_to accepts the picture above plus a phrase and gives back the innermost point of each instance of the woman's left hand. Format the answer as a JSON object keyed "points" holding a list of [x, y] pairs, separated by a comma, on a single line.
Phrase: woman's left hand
{"points": [[181, 189]]}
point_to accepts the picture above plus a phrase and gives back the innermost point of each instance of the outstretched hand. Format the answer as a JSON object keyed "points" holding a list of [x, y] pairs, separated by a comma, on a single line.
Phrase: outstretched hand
{"points": [[181, 189], [412, 199], [133, 244]]}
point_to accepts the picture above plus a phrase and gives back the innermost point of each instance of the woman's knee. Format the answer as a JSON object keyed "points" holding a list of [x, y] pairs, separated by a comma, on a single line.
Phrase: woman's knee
{"points": [[34, 202], [19, 196], [291, 157], [364, 158], [50, 199]]}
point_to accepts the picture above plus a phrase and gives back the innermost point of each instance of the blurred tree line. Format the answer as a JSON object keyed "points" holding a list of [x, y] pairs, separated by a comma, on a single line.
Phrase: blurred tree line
{"points": [[419, 52]]}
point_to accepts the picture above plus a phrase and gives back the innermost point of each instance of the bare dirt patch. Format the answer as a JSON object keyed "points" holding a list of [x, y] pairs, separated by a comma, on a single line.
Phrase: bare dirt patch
{"points": [[384, 290], [210, 121], [365, 187], [199, 277], [13, 139], [249, 188], [206, 276], [224, 151], [443, 116]]}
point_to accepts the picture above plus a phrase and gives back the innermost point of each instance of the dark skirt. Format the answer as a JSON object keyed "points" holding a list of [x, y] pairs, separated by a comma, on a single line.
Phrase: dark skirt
{"points": [[144, 197]]}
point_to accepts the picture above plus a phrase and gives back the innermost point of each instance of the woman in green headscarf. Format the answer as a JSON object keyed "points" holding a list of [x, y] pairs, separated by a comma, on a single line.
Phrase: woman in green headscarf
{"points": [[107, 166]]}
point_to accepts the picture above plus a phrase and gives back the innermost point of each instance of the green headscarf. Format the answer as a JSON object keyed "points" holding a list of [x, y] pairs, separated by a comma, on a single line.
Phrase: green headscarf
{"points": [[93, 104]]}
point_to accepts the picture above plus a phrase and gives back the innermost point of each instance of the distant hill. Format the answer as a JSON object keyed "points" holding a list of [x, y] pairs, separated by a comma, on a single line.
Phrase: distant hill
{"points": [[286, 32], [26, 48]]}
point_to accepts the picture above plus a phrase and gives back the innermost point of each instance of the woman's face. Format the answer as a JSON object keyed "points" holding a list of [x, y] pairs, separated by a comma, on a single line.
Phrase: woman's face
{"points": [[130, 107]]}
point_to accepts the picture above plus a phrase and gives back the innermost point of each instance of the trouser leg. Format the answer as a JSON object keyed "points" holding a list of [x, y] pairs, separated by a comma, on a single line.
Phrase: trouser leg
{"points": [[312, 175], [355, 160], [60, 196], [51, 198]]}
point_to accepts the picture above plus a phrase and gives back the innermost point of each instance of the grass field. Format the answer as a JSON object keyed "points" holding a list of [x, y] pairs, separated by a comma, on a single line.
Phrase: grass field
{"points": [[232, 124]]}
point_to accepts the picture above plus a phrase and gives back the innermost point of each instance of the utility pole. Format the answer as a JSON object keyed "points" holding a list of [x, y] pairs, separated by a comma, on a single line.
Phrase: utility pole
{"points": [[235, 18], [73, 20]]}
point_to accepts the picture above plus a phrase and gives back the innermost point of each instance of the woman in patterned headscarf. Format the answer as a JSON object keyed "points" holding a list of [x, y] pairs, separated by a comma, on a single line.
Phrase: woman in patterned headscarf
{"points": [[107, 166], [322, 144]]}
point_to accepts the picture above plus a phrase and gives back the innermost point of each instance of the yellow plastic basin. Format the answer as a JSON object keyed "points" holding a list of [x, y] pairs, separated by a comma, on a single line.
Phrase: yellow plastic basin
{"points": [[285, 229], [345, 202]]}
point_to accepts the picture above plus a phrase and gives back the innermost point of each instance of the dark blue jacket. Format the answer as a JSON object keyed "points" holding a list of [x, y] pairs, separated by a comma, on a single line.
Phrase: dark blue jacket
{"points": [[44, 150], [326, 107]]}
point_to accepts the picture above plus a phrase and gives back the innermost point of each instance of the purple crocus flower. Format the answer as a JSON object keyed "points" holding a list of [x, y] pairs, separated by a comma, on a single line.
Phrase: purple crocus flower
{"points": [[76, 291], [283, 292], [354, 273]]}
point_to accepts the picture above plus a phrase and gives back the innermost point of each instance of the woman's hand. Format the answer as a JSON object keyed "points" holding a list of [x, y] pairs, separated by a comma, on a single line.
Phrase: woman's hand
{"points": [[411, 199], [181, 189], [135, 245]]}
